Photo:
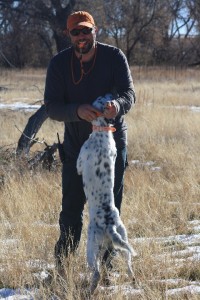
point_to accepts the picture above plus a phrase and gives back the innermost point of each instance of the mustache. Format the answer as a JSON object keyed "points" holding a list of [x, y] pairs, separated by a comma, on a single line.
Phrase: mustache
{"points": [[85, 47]]}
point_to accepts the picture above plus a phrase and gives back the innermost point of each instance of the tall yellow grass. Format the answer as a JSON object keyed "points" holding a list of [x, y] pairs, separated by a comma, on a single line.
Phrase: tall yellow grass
{"points": [[156, 203]]}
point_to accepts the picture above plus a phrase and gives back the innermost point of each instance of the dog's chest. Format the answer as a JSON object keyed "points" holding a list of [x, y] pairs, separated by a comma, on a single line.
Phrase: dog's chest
{"points": [[98, 157], [98, 149], [99, 152], [100, 140]]}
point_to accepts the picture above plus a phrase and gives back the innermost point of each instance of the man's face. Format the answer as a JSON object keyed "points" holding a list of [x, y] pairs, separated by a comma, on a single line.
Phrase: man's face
{"points": [[83, 38]]}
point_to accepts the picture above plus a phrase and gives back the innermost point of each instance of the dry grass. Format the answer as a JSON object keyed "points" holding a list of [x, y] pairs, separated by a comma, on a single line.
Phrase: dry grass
{"points": [[156, 203], [22, 86]]}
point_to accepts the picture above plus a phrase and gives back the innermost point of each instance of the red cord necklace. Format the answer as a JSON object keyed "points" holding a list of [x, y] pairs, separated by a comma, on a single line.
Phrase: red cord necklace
{"points": [[81, 67]]}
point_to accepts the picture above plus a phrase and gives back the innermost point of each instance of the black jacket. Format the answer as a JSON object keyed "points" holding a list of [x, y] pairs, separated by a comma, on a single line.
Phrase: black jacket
{"points": [[110, 74]]}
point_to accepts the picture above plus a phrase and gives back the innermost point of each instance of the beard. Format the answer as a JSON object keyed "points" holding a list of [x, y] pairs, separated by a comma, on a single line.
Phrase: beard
{"points": [[85, 48]]}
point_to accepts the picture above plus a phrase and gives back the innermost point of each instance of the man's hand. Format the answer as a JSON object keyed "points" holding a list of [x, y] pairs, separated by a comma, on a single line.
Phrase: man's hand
{"points": [[88, 112]]}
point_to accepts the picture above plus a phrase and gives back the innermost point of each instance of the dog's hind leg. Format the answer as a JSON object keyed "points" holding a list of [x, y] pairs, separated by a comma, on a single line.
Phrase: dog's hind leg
{"points": [[127, 255], [117, 239], [122, 231]]}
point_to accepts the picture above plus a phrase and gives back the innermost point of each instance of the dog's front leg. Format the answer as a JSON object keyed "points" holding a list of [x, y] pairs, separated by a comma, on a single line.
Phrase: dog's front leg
{"points": [[93, 255], [79, 164], [95, 280]]}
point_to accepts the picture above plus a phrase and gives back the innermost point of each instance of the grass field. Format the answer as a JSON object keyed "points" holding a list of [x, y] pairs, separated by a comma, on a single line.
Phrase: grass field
{"points": [[161, 207]]}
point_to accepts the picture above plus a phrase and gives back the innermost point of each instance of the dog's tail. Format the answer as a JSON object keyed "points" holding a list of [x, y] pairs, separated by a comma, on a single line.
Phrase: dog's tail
{"points": [[118, 241]]}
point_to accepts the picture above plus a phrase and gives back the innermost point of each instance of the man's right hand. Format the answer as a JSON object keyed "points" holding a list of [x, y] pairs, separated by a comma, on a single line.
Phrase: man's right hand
{"points": [[88, 113]]}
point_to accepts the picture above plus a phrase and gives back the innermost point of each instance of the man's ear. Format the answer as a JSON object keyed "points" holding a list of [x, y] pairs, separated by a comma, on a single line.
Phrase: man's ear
{"points": [[95, 29]]}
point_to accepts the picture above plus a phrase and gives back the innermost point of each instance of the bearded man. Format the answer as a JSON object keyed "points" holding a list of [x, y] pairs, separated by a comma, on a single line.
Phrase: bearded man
{"points": [[75, 78]]}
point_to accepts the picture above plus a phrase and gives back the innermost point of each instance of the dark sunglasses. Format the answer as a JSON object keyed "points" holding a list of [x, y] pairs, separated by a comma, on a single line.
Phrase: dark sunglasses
{"points": [[76, 31]]}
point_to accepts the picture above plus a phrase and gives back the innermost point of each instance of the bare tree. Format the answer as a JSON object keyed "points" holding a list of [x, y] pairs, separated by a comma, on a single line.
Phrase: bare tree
{"points": [[122, 23], [177, 44], [21, 21], [45, 18], [134, 26]]}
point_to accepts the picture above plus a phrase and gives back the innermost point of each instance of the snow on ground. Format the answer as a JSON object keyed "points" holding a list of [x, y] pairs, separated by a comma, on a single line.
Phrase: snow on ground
{"points": [[176, 287], [192, 108], [149, 164], [30, 107], [10, 294], [20, 106]]}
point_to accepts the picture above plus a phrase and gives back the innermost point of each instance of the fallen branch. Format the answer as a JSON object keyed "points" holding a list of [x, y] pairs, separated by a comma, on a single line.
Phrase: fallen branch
{"points": [[31, 139], [27, 138]]}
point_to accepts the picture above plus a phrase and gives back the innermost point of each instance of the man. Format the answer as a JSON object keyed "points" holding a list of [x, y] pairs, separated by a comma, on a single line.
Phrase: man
{"points": [[75, 78]]}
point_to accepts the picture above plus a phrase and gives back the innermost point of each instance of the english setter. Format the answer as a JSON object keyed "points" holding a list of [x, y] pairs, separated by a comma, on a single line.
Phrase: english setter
{"points": [[96, 163]]}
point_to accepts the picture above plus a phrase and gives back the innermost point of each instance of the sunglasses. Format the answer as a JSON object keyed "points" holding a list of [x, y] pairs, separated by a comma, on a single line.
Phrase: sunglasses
{"points": [[76, 31]]}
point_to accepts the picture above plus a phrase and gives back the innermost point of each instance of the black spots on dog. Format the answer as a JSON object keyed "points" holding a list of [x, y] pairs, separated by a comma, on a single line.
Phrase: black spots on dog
{"points": [[109, 219], [99, 213], [98, 162], [99, 134], [98, 172], [97, 225], [99, 216], [107, 167], [105, 206], [105, 156], [107, 214], [102, 173]]}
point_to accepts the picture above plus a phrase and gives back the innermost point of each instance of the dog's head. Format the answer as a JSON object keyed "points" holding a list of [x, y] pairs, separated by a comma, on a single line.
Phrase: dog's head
{"points": [[101, 103]]}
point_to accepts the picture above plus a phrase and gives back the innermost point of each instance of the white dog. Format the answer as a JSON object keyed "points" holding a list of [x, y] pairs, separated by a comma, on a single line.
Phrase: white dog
{"points": [[96, 163]]}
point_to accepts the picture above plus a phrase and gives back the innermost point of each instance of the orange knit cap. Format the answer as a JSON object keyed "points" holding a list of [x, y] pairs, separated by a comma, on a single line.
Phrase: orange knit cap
{"points": [[80, 18]]}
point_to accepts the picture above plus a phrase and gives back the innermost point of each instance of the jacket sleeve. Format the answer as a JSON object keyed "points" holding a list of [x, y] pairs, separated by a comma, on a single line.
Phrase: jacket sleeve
{"points": [[55, 97], [124, 87]]}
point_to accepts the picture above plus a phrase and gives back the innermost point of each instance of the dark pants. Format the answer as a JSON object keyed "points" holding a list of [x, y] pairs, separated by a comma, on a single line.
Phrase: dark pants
{"points": [[71, 216]]}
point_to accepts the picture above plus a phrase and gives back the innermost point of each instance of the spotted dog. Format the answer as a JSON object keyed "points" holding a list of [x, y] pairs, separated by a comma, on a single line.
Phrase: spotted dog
{"points": [[96, 164]]}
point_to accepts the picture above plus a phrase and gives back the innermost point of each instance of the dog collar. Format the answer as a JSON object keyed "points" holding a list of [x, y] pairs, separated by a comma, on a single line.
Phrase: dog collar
{"points": [[98, 114], [103, 128]]}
